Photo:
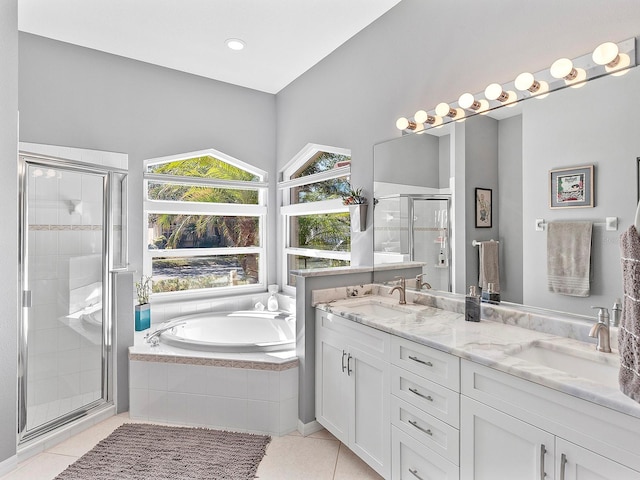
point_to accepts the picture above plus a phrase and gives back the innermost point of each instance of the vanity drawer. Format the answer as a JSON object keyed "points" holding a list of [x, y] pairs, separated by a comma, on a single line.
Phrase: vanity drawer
{"points": [[428, 430], [411, 461], [434, 399], [432, 364]]}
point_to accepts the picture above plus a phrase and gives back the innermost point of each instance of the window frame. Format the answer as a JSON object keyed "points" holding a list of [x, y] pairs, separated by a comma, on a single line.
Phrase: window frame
{"points": [[288, 209], [215, 209]]}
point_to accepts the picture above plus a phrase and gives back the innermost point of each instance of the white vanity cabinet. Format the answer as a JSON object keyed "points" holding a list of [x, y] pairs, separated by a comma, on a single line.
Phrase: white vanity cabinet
{"points": [[511, 428], [425, 413], [497, 446], [352, 387]]}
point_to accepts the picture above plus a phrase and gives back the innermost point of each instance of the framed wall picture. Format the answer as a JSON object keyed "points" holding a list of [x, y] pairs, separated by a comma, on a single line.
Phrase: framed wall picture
{"points": [[571, 187], [484, 217]]}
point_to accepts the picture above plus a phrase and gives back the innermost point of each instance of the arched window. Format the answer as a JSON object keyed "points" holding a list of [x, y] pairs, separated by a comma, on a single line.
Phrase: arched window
{"points": [[205, 215], [317, 227]]}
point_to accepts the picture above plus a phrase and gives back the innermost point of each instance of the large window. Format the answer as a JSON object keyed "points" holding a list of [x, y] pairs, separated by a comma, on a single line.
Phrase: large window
{"points": [[317, 229], [205, 223]]}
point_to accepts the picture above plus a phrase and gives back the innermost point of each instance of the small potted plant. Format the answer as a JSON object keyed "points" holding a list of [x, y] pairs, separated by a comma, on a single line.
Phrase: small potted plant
{"points": [[143, 309], [357, 204]]}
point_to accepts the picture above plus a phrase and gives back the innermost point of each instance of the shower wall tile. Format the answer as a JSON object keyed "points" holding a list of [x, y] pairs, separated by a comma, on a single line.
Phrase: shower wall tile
{"points": [[70, 242], [68, 339], [68, 385], [68, 361]]}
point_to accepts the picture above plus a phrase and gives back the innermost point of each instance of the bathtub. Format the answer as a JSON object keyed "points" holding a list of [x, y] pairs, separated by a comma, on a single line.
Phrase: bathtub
{"points": [[224, 370], [232, 332]]}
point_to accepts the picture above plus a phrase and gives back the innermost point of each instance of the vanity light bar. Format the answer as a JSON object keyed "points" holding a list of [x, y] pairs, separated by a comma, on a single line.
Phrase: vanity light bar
{"points": [[607, 59]]}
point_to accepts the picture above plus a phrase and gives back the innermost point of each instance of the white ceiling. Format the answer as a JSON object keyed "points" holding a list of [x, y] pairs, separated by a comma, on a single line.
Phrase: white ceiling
{"points": [[284, 38]]}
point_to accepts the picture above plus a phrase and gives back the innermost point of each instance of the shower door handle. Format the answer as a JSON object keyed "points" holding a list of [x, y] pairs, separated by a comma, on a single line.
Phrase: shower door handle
{"points": [[26, 299]]}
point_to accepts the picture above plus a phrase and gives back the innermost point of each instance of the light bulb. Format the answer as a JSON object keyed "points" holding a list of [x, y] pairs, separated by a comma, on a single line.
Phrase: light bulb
{"points": [[444, 110], [563, 68], [469, 102], [495, 92], [606, 54], [527, 82], [621, 66], [405, 124], [423, 117]]}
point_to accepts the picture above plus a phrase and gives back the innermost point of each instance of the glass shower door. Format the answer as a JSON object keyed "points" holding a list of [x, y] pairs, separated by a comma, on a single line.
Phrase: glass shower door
{"points": [[430, 240], [63, 367]]}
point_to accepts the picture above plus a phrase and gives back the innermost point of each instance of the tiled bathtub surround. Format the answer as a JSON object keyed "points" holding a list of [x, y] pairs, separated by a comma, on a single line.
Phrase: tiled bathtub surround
{"points": [[254, 392], [242, 395]]}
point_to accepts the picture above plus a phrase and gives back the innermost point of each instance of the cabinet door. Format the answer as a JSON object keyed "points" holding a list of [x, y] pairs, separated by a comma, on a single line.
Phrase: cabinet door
{"points": [[497, 446], [577, 463], [331, 385], [369, 429]]}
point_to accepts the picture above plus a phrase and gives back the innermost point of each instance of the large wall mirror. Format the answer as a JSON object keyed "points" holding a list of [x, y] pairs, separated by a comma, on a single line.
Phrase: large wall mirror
{"points": [[511, 152]]}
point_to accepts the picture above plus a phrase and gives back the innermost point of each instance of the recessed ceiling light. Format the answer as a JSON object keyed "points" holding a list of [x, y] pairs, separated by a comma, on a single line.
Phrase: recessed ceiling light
{"points": [[235, 44]]}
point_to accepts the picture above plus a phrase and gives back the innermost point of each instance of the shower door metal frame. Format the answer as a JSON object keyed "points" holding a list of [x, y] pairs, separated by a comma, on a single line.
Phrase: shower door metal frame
{"points": [[108, 329]]}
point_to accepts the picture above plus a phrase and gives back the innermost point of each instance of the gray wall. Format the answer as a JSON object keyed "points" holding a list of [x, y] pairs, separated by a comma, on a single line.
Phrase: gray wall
{"points": [[481, 171], [78, 97], [394, 67], [9, 237], [411, 160], [510, 213], [594, 125]]}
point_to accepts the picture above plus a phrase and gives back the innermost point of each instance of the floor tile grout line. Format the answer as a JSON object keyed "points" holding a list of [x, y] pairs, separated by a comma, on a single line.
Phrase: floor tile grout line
{"points": [[335, 465]]}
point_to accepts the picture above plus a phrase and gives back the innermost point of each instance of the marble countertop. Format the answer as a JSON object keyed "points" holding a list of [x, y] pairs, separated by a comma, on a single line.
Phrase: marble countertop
{"points": [[492, 344]]}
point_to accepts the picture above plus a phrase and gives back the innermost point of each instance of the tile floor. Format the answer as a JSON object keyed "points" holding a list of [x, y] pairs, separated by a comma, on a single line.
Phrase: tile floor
{"points": [[292, 457]]}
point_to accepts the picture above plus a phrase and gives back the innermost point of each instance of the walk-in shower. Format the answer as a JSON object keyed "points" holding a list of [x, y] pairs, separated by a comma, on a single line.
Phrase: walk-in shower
{"points": [[415, 228], [72, 235]]}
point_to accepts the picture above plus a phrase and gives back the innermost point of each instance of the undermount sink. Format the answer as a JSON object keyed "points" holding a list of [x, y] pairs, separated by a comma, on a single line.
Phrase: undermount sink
{"points": [[602, 368], [376, 309]]}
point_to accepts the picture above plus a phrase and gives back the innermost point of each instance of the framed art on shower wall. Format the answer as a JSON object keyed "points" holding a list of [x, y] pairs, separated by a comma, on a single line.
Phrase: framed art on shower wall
{"points": [[483, 208], [571, 187]]}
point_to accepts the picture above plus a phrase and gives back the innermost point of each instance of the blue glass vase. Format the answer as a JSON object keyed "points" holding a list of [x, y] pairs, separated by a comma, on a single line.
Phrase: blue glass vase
{"points": [[143, 317]]}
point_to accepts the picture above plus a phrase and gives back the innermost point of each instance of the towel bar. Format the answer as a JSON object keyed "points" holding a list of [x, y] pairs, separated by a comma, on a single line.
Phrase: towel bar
{"points": [[610, 223], [477, 243]]}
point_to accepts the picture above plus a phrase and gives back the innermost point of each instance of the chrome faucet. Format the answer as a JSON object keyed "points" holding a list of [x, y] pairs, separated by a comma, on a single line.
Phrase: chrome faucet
{"points": [[600, 330], [154, 338], [420, 284], [402, 289]]}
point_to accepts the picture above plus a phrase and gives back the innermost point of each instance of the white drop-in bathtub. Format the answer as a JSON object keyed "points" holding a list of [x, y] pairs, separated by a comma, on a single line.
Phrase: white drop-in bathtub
{"points": [[240, 331], [229, 370]]}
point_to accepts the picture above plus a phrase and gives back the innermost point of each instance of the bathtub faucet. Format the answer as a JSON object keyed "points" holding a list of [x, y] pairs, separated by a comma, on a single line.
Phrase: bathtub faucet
{"points": [[154, 338]]}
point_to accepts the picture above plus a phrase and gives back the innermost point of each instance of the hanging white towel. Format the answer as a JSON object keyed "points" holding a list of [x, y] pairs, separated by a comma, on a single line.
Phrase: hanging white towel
{"points": [[489, 254], [629, 332], [569, 257]]}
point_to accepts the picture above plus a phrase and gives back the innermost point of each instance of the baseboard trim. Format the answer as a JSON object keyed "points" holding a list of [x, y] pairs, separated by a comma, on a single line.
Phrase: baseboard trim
{"points": [[8, 465], [307, 429]]}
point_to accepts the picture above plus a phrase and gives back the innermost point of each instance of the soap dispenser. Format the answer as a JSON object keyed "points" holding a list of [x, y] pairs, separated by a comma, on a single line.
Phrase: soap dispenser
{"points": [[616, 313], [272, 302], [472, 305]]}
